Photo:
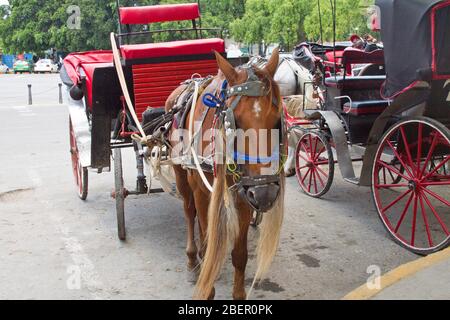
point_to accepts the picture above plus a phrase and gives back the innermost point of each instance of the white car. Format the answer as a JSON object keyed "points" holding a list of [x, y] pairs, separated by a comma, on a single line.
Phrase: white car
{"points": [[45, 66], [234, 53], [4, 68]]}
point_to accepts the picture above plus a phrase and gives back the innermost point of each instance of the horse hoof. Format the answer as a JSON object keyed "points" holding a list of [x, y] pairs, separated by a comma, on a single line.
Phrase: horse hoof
{"points": [[213, 294], [192, 275], [241, 296], [290, 173]]}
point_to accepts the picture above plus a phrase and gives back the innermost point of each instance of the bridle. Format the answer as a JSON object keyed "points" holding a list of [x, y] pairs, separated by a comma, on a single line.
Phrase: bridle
{"points": [[225, 118]]}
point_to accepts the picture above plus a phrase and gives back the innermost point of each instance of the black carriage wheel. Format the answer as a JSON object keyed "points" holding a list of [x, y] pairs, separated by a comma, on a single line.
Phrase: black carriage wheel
{"points": [[81, 174], [314, 164], [119, 194], [415, 210]]}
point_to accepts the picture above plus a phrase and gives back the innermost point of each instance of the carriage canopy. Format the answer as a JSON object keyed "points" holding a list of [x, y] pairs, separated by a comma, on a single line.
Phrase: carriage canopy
{"points": [[416, 37]]}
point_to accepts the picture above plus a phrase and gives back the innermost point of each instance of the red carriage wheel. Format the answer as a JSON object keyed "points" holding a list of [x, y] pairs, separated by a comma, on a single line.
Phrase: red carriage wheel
{"points": [[314, 164], [80, 174], [415, 209]]}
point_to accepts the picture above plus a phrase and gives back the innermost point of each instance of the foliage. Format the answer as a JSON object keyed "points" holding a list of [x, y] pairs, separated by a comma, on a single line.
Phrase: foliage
{"points": [[350, 19], [37, 25]]}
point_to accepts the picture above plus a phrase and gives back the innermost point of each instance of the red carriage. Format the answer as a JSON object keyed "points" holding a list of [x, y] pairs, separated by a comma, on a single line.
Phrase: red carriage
{"points": [[403, 141], [101, 125], [396, 125]]}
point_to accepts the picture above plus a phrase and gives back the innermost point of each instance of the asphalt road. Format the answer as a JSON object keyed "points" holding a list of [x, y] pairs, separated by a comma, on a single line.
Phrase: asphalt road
{"points": [[53, 246]]}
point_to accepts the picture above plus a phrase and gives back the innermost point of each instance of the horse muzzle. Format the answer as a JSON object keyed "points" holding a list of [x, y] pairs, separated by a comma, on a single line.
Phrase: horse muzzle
{"points": [[261, 193]]}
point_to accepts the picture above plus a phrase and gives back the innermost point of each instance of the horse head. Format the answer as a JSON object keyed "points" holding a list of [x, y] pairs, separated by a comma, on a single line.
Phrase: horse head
{"points": [[253, 110]]}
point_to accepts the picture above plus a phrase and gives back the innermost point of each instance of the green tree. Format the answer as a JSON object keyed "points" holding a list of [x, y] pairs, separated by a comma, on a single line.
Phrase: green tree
{"points": [[255, 24], [287, 17], [37, 25], [350, 18]]}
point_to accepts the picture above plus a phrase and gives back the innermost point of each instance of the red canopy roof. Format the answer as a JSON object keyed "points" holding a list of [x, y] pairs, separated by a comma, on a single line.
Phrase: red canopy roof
{"points": [[159, 13]]}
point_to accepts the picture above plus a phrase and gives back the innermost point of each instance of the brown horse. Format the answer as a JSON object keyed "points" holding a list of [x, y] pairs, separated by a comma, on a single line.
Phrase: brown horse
{"points": [[224, 216]]}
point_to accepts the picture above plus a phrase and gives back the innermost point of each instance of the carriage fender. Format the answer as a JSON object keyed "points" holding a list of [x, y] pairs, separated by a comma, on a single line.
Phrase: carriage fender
{"points": [[337, 130], [80, 124], [405, 102]]}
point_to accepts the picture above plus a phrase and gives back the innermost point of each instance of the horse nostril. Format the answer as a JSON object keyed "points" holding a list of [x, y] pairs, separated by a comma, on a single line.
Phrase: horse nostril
{"points": [[251, 195]]}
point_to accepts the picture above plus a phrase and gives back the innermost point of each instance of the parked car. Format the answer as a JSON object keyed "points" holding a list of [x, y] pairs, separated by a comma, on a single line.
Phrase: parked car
{"points": [[21, 66], [3, 68], [45, 66]]}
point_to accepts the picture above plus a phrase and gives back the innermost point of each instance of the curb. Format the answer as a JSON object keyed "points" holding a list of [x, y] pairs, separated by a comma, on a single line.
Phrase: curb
{"points": [[398, 274]]}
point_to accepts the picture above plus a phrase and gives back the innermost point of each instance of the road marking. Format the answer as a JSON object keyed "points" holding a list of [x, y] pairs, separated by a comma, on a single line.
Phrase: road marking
{"points": [[90, 278], [398, 274], [24, 111]]}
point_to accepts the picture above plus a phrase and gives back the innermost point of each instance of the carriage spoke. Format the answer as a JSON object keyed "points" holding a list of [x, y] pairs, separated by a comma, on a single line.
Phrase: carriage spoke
{"points": [[320, 178], [400, 159], [319, 153], [384, 164], [405, 211], [440, 183], [397, 200], [425, 220], [408, 151], [419, 147], [436, 215], [323, 172], [414, 222], [388, 186], [306, 175], [300, 156], [316, 140], [310, 180], [436, 169], [305, 149], [436, 196], [311, 147], [430, 154], [315, 181]]}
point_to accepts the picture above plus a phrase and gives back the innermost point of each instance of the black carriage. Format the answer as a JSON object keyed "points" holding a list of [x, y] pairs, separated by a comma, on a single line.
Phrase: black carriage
{"points": [[397, 124]]}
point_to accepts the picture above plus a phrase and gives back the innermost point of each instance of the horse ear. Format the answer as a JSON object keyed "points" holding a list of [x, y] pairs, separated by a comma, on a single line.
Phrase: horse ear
{"points": [[272, 65], [227, 69]]}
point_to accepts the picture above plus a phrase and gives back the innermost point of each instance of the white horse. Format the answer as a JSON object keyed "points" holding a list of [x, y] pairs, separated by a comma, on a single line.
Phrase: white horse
{"points": [[293, 80]]}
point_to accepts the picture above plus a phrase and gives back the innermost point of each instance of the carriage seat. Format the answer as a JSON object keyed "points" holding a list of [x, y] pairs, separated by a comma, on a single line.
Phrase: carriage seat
{"points": [[172, 49], [356, 83], [363, 108]]}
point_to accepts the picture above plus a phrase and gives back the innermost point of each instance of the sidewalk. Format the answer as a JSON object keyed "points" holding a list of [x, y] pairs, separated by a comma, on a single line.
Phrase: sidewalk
{"points": [[423, 279]]}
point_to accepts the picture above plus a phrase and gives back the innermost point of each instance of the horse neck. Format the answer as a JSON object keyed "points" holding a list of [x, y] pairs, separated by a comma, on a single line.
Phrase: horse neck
{"points": [[207, 122]]}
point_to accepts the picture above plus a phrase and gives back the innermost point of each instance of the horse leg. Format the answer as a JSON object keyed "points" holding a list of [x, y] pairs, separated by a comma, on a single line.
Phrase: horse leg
{"points": [[289, 167], [240, 253], [201, 198], [191, 248], [190, 214]]}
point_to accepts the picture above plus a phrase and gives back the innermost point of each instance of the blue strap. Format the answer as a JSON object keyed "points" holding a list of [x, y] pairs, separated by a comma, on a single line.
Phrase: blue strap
{"points": [[245, 157], [211, 101]]}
